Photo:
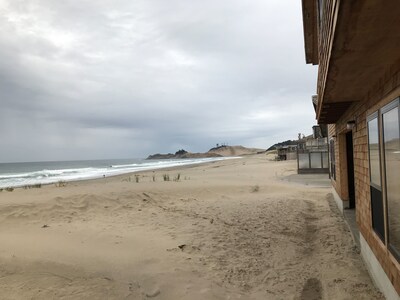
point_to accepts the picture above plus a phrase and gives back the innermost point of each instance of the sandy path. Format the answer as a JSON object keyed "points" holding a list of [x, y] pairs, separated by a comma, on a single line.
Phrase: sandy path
{"points": [[226, 230]]}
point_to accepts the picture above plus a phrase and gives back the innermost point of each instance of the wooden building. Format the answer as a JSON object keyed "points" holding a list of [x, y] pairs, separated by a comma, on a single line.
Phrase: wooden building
{"points": [[288, 152], [312, 154], [356, 45]]}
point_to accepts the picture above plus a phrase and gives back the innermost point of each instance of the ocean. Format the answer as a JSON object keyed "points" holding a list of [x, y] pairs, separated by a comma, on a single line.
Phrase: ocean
{"points": [[32, 173]]}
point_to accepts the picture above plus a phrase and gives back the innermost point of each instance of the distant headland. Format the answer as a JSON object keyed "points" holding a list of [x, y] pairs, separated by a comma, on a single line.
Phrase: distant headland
{"points": [[218, 151]]}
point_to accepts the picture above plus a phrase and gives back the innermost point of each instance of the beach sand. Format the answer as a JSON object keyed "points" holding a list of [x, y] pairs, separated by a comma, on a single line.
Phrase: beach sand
{"points": [[233, 229]]}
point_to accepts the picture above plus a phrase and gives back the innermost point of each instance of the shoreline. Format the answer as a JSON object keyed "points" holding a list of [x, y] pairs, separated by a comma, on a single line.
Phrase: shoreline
{"points": [[99, 177], [148, 172]]}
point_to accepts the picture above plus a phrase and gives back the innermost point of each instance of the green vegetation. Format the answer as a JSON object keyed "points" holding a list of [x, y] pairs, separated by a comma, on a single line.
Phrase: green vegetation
{"points": [[285, 143], [218, 146], [180, 152], [33, 186], [61, 183], [177, 177]]}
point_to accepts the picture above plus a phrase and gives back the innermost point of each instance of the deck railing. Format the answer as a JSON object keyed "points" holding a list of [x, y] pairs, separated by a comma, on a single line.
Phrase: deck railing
{"points": [[313, 156]]}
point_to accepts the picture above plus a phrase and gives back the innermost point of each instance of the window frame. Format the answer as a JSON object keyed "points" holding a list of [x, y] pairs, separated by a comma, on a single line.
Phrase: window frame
{"points": [[332, 159], [321, 7], [378, 222], [375, 115], [385, 109]]}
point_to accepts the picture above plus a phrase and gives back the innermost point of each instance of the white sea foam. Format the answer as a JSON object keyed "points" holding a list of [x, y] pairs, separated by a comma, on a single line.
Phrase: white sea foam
{"points": [[46, 176]]}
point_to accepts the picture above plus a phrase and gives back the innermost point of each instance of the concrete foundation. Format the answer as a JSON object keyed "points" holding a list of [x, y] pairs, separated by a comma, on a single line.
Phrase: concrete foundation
{"points": [[376, 271], [339, 202]]}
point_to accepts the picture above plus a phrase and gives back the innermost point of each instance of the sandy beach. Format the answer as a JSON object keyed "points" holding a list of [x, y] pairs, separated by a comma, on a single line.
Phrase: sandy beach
{"points": [[233, 229]]}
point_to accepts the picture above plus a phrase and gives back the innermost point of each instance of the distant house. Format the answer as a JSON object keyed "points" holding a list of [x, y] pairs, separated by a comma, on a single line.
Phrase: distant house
{"points": [[312, 153], [356, 45], [287, 152]]}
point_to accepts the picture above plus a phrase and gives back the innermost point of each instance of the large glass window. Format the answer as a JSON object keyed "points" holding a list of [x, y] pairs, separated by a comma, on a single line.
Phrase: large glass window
{"points": [[373, 145], [316, 160], [332, 159], [320, 11], [304, 161], [384, 150], [391, 144], [325, 160], [377, 208]]}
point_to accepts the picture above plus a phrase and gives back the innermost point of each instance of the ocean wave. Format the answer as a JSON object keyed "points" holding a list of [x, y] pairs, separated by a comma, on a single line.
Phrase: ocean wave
{"points": [[47, 176]]}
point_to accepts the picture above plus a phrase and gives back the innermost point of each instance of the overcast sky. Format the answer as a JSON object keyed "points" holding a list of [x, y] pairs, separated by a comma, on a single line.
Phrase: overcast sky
{"points": [[94, 79]]}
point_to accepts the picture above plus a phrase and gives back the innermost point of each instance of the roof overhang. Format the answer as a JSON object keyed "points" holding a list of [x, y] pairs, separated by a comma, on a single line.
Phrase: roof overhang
{"points": [[310, 27], [366, 46]]}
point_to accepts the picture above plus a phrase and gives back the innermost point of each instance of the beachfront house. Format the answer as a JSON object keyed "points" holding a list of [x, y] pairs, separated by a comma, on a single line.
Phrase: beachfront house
{"points": [[287, 152], [356, 45], [312, 153]]}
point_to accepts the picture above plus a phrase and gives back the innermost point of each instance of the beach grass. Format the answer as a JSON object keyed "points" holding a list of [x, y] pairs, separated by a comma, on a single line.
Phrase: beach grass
{"points": [[61, 183], [32, 186]]}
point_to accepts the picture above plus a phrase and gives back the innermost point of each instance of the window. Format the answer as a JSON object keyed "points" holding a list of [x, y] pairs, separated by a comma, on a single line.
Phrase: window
{"points": [[384, 150], [332, 164], [373, 147], [320, 11], [378, 222], [325, 164], [391, 146]]}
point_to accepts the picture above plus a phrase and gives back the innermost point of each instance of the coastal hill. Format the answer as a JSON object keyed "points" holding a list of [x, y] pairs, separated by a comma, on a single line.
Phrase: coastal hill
{"points": [[285, 143], [220, 151], [235, 150], [182, 154]]}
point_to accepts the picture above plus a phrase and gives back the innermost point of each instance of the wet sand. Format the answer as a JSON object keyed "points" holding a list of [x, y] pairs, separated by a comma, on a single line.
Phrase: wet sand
{"points": [[235, 229]]}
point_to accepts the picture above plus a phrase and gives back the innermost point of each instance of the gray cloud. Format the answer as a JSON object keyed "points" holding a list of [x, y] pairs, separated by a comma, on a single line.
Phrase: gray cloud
{"points": [[109, 79]]}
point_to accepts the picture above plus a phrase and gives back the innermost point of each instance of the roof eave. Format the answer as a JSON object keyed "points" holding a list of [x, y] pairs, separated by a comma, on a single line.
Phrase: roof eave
{"points": [[310, 21]]}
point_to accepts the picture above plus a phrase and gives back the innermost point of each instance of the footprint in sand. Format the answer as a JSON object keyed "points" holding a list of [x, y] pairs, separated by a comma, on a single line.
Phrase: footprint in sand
{"points": [[312, 290]]}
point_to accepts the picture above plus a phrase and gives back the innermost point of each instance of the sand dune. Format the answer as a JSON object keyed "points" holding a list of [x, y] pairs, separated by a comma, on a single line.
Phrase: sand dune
{"points": [[235, 150], [227, 230]]}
